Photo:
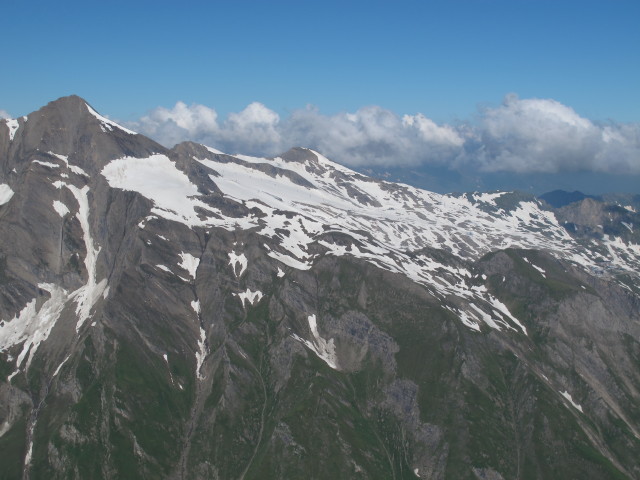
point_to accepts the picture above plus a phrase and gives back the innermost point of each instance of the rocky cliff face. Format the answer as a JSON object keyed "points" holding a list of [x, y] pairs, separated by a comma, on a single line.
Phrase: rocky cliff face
{"points": [[189, 314]]}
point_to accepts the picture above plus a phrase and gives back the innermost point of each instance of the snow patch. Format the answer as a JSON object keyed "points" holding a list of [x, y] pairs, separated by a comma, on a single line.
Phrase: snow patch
{"points": [[60, 366], [108, 124], [234, 260], [166, 360], [145, 220], [324, 349], [213, 150], [46, 164], [489, 198], [12, 125], [5, 193], [189, 263], [466, 320], [61, 208], [27, 458], [4, 428], [86, 296], [196, 306], [280, 273], [77, 170], [201, 353], [73, 168], [158, 179], [502, 308], [568, 397], [291, 262], [33, 326], [539, 269], [486, 318], [252, 297]]}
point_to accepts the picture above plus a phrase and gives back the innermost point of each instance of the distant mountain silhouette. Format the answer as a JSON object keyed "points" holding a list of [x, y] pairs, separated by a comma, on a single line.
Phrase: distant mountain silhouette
{"points": [[560, 198]]}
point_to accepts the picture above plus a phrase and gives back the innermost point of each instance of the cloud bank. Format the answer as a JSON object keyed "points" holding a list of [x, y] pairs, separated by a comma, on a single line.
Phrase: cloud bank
{"points": [[521, 135], [4, 114]]}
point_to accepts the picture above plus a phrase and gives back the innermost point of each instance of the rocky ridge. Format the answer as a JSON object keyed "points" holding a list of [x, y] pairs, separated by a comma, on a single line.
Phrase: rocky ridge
{"points": [[186, 313]]}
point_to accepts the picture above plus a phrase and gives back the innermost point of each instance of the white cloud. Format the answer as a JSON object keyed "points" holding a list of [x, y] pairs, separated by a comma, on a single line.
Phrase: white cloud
{"points": [[182, 122], [374, 136], [431, 132], [4, 114], [521, 135], [540, 135], [369, 136], [253, 130], [256, 128]]}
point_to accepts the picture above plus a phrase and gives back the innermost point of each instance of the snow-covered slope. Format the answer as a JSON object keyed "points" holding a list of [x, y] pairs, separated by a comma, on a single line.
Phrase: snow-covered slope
{"points": [[302, 200], [389, 220]]}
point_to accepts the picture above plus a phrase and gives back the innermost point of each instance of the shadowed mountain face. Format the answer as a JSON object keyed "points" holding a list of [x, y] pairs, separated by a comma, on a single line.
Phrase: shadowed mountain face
{"points": [[561, 198], [189, 314]]}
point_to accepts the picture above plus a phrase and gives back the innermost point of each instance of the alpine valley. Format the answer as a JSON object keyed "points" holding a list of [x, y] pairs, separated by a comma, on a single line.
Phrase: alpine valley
{"points": [[188, 314]]}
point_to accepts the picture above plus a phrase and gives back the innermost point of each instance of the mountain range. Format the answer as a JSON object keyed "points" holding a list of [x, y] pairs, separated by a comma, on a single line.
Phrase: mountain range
{"points": [[188, 314]]}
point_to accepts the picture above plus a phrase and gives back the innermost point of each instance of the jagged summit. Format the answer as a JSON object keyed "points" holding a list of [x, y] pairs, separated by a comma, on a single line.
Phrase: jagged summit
{"points": [[70, 127]]}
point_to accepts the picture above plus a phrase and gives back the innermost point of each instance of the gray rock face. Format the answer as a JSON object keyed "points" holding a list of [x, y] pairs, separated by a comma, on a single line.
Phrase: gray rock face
{"points": [[189, 314], [592, 218]]}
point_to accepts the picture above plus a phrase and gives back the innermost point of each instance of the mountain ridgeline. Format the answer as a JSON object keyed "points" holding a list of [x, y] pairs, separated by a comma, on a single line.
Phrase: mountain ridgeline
{"points": [[187, 314]]}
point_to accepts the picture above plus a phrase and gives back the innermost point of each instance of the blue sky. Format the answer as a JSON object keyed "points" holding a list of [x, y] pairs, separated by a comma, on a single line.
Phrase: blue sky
{"points": [[439, 58], [520, 86]]}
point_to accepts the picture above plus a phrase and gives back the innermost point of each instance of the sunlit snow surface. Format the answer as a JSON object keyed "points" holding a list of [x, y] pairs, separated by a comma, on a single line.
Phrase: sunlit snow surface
{"points": [[201, 353], [158, 179], [108, 125], [87, 295], [73, 168], [235, 260], [5, 193], [60, 208], [12, 125], [189, 263], [31, 326], [568, 397], [324, 349], [305, 203], [249, 296], [196, 306], [46, 164]]}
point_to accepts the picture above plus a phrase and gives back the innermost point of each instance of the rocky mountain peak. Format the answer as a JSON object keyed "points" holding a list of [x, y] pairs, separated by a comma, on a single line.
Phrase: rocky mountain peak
{"points": [[299, 154], [67, 108], [70, 127]]}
